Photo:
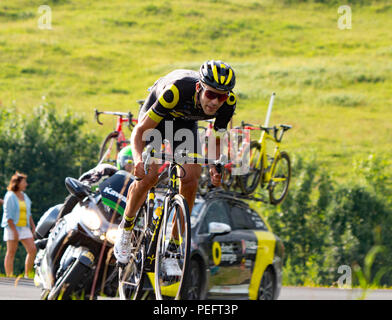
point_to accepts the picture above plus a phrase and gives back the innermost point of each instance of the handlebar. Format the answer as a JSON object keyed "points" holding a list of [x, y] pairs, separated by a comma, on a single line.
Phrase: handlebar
{"points": [[127, 115], [282, 128], [180, 155]]}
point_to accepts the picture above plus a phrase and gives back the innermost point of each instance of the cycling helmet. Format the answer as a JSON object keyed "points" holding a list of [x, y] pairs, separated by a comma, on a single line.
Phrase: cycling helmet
{"points": [[124, 157], [218, 75]]}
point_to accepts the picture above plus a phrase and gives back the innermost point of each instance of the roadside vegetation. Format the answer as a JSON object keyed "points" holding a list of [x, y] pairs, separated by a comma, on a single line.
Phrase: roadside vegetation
{"points": [[48, 146], [326, 224]]}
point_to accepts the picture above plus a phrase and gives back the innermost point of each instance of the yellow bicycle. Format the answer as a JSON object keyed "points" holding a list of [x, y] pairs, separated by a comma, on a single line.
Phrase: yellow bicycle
{"points": [[270, 171]]}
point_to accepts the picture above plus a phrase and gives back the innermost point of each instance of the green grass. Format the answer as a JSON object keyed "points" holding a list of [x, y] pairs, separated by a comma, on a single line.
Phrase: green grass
{"points": [[333, 86]]}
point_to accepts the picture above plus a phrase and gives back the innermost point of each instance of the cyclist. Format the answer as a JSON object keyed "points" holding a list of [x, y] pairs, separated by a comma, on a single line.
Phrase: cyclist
{"points": [[125, 159], [177, 101]]}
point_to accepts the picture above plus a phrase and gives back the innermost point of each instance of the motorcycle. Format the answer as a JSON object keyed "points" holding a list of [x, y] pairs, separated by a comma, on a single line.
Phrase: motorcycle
{"points": [[75, 240]]}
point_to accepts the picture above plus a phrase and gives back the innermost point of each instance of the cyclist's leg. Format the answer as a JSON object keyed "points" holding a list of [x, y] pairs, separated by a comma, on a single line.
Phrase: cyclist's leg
{"points": [[137, 194], [188, 139], [189, 182], [138, 190]]}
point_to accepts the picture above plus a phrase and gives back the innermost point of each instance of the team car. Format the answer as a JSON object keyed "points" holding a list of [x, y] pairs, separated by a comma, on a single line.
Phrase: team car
{"points": [[234, 253]]}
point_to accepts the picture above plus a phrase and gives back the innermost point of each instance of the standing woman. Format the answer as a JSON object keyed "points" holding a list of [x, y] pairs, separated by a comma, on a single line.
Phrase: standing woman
{"points": [[18, 223]]}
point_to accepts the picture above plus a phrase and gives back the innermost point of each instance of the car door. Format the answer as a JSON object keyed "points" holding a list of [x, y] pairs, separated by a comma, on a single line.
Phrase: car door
{"points": [[220, 249], [244, 243]]}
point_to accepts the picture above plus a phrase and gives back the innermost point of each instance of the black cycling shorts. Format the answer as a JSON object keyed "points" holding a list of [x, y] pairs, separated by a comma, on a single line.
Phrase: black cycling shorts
{"points": [[181, 134]]}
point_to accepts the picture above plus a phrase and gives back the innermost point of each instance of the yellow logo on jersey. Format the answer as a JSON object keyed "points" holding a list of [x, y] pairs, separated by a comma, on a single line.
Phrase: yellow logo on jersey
{"points": [[176, 96]]}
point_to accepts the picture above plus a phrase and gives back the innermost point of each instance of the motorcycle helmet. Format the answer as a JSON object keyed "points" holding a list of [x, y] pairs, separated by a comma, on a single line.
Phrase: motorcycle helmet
{"points": [[218, 75], [124, 157]]}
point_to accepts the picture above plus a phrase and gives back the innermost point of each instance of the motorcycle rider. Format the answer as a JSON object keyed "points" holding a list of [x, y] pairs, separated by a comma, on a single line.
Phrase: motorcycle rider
{"points": [[102, 171], [125, 159]]}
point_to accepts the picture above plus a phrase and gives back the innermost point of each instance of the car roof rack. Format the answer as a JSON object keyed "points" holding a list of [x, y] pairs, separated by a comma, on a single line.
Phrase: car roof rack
{"points": [[218, 192]]}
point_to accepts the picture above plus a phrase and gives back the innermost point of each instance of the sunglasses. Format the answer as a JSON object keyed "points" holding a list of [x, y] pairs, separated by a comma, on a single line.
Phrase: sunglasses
{"points": [[211, 95]]}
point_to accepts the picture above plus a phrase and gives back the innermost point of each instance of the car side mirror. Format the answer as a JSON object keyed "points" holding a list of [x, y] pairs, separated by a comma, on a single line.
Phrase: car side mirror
{"points": [[76, 188], [216, 228]]}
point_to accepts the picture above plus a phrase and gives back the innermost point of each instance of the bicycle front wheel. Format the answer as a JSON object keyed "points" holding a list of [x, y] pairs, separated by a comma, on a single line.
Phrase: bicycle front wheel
{"points": [[280, 180], [131, 277], [173, 249]]}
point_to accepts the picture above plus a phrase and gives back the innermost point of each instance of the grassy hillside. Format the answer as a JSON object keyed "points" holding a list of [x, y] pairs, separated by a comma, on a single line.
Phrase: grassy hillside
{"points": [[334, 86]]}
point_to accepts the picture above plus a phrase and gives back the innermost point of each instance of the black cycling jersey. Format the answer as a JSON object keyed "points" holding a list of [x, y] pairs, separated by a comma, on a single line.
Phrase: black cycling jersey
{"points": [[174, 96]]}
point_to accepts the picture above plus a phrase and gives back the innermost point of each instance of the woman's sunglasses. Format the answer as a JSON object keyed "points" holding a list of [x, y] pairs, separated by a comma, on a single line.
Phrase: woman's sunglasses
{"points": [[211, 95]]}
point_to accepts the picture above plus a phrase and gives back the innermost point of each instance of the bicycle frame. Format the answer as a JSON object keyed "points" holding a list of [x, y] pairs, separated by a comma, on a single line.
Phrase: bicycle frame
{"points": [[172, 173], [238, 153], [266, 169], [121, 135], [164, 213], [233, 152]]}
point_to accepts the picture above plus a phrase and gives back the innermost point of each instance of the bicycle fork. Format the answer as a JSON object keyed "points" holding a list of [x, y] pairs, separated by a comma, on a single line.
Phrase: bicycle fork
{"points": [[154, 218]]}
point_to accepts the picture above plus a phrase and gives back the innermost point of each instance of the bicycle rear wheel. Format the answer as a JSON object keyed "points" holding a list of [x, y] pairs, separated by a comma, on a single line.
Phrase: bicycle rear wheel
{"points": [[110, 148], [173, 249], [280, 180], [248, 182], [131, 277]]}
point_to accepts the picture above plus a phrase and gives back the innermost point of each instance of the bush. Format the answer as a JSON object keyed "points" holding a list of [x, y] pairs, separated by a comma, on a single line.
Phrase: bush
{"points": [[48, 147], [325, 225]]}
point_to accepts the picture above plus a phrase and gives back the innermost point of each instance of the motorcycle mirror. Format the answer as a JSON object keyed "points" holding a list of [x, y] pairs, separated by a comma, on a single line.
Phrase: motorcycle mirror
{"points": [[76, 188]]}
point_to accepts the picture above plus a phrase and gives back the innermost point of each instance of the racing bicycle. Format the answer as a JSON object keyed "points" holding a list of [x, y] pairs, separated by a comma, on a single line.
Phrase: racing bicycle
{"points": [[272, 172], [236, 143], [270, 169], [237, 147], [115, 140], [161, 238]]}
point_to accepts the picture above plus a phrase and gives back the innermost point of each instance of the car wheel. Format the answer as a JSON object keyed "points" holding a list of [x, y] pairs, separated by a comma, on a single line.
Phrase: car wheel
{"points": [[193, 289], [267, 286]]}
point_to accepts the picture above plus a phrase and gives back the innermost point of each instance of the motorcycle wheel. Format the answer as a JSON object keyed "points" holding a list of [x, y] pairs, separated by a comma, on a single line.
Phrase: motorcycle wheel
{"points": [[72, 283]]}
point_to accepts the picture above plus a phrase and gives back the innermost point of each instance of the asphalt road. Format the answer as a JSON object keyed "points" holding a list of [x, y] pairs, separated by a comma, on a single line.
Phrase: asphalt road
{"points": [[24, 289]]}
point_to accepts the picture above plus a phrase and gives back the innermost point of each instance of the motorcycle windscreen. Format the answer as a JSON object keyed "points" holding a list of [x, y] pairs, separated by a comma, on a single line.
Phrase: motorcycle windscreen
{"points": [[47, 221], [114, 190]]}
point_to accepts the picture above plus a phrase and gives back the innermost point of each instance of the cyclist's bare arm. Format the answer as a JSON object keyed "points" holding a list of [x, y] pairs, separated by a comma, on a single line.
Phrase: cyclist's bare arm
{"points": [[138, 144]]}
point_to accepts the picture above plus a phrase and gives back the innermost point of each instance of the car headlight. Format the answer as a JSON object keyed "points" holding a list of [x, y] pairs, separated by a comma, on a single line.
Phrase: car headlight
{"points": [[111, 235], [91, 219]]}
